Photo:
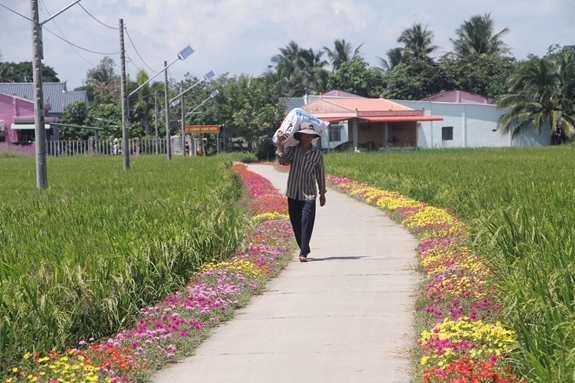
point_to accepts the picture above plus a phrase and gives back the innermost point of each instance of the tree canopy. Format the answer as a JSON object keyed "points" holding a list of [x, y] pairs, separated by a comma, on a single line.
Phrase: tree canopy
{"points": [[418, 42], [22, 72], [476, 37], [539, 94]]}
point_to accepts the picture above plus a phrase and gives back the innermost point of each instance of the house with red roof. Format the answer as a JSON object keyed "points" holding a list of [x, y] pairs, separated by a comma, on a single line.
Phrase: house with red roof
{"points": [[371, 123], [454, 119]]}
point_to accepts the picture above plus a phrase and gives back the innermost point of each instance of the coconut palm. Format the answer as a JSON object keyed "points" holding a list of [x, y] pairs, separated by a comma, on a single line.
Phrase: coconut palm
{"points": [[476, 37], [341, 53], [289, 59], [418, 42], [395, 56], [103, 73], [538, 96], [145, 99], [297, 69]]}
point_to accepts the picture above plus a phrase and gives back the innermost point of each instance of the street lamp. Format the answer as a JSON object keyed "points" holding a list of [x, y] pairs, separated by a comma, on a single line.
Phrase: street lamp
{"points": [[174, 101], [212, 95], [182, 55], [208, 76]]}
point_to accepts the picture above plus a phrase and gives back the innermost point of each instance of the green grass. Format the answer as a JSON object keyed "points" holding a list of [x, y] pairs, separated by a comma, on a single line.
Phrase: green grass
{"points": [[519, 205], [78, 260]]}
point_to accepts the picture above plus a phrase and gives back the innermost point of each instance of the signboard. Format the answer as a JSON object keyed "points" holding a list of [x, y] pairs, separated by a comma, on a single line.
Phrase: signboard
{"points": [[190, 129]]}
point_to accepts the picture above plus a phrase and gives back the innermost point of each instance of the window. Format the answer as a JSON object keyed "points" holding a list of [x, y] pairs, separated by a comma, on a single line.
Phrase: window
{"points": [[366, 128], [447, 133], [335, 133], [397, 127]]}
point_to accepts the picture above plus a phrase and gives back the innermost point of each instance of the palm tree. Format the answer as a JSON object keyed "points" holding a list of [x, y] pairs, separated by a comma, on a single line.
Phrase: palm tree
{"points": [[103, 73], [145, 99], [297, 69], [418, 42], [289, 59], [538, 95], [395, 56], [476, 37], [341, 53]]}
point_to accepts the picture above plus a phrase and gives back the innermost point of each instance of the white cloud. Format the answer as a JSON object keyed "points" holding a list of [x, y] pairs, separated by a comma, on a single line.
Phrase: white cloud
{"points": [[240, 36]]}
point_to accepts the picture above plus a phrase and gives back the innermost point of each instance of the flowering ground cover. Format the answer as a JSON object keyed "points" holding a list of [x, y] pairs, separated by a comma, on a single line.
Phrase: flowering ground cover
{"points": [[461, 338], [171, 329]]}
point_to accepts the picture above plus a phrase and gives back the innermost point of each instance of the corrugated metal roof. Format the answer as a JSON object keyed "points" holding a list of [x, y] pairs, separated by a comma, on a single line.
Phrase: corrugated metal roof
{"points": [[294, 102], [55, 94]]}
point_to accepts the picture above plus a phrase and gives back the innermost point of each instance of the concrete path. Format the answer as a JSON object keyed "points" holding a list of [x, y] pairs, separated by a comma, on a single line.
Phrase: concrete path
{"points": [[345, 316]]}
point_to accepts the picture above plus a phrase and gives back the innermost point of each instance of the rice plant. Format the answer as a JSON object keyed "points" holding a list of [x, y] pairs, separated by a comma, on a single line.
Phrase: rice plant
{"points": [[518, 203], [80, 259]]}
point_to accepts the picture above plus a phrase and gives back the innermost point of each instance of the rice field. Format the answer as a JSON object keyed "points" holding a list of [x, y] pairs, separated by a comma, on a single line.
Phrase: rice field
{"points": [[518, 205], [80, 259]]}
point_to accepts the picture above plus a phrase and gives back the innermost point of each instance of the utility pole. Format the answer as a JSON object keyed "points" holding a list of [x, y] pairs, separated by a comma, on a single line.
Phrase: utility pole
{"points": [[168, 138], [183, 122], [156, 117], [125, 110], [39, 121]]}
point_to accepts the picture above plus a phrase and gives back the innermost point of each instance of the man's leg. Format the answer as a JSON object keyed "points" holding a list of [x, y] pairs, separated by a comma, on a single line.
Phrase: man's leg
{"points": [[307, 221], [295, 211]]}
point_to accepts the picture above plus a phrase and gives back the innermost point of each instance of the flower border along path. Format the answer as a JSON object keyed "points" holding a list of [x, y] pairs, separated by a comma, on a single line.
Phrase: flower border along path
{"points": [[461, 341], [171, 329]]}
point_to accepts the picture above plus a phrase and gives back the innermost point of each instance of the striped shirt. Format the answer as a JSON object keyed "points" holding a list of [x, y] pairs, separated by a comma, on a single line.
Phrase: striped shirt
{"points": [[305, 170]]}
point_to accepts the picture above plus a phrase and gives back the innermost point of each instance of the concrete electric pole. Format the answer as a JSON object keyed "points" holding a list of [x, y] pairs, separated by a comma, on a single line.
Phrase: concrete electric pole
{"points": [[39, 122], [183, 122], [125, 109], [168, 134], [156, 118]]}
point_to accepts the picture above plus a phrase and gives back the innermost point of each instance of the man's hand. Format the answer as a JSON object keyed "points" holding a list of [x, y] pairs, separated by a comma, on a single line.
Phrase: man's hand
{"points": [[322, 200], [280, 135]]}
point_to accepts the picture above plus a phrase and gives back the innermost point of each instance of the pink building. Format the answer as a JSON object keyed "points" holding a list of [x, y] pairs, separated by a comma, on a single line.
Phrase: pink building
{"points": [[459, 97], [17, 124]]}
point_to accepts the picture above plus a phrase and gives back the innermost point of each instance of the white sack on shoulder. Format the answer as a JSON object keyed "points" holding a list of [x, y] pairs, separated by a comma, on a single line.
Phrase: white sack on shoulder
{"points": [[292, 123]]}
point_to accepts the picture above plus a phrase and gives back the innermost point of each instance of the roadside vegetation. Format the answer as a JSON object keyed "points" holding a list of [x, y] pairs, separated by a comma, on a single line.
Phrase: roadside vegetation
{"points": [[516, 204], [80, 260]]}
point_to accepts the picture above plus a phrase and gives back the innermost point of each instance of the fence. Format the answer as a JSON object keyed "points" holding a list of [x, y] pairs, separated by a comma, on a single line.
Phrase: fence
{"points": [[93, 147]]}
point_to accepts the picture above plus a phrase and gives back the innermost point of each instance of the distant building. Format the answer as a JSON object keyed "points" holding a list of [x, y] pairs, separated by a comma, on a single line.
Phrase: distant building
{"points": [[469, 121], [460, 97], [17, 109], [364, 123], [454, 119]]}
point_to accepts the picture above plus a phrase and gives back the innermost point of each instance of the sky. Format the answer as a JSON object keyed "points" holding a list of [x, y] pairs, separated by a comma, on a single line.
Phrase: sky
{"points": [[241, 36]]}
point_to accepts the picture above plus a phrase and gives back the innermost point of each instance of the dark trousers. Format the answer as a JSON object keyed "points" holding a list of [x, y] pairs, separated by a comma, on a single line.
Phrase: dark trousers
{"points": [[302, 217]]}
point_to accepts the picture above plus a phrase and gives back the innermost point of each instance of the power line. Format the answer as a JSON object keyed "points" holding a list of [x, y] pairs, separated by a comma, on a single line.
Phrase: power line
{"points": [[74, 49], [106, 25], [19, 14], [79, 47], [129, 38]]}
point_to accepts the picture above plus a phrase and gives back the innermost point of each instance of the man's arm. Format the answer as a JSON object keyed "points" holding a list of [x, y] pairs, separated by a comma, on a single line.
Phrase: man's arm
{"points": [[284, 158], [320, 177]]}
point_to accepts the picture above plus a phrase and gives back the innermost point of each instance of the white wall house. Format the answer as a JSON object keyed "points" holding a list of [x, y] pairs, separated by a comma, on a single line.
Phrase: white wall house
{"points": [[468, 125], [335, 135]]}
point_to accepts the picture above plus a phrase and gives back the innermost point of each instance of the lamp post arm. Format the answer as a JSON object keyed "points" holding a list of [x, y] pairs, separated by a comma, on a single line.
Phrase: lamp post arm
{"points": [[193, 110], [173, 99], [57, 13], [151, 78]]}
